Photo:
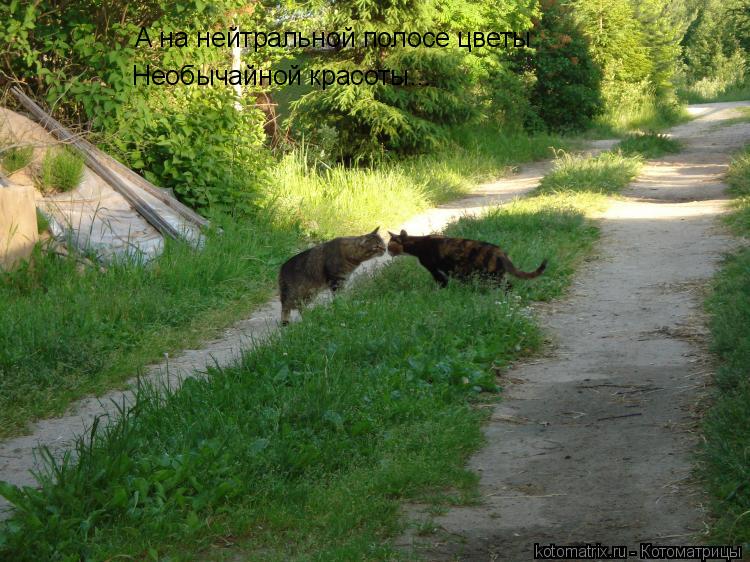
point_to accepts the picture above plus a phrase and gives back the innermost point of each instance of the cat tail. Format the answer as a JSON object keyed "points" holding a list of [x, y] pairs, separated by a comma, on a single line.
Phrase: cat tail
{"points": [[510, 268]]}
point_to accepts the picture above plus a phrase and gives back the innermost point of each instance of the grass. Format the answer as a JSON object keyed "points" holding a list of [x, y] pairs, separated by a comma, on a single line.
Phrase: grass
{"points": [[727, 424], [65, 334], [16, 158], [326, 200], [637, 110], [709, 90], [605, 174], [61, 170], [305, 450], [648, 145]]}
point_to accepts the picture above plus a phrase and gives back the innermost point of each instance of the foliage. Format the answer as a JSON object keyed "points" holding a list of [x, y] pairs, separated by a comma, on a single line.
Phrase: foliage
{"points": [[567, 91], [61, 170], [81, 57], [372, 119], [301, 455], [200, 146], [716, 51]]}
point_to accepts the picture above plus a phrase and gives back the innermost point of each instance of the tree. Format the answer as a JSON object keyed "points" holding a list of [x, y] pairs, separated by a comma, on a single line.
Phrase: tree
{"points": [[567, 92]]}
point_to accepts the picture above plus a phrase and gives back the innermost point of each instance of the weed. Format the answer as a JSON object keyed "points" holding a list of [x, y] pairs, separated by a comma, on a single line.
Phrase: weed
{"points": [[61, 170]]}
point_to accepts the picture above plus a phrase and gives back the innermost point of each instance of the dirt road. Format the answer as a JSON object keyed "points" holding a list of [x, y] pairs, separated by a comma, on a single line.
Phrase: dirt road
{"points": [[595, 443]]}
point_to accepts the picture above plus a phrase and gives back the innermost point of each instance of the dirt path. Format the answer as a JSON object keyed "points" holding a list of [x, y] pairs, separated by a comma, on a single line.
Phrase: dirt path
{"points": [[594, 443], [17, 457]]}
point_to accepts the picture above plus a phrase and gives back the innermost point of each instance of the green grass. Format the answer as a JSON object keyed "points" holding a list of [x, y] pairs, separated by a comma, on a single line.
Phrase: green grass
{"points": [[306, 449], [637, 110], [708, 90], [727, 424], [326, 200], [65, 334], [606, 173], [16, 158], [648, 145], [62, 170]]}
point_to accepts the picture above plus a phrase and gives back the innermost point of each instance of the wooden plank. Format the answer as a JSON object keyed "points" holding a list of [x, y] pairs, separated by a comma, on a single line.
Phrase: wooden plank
{"points": [[64, 135]]}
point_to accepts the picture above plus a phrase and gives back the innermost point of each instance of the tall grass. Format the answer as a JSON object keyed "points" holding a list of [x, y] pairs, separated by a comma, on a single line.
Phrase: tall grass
{"points": [[648, 145], [305, 449], [635, 107], [727, 424], [331, 199]]}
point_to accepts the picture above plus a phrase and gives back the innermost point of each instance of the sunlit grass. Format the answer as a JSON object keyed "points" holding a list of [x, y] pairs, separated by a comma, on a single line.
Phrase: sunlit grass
{"points": [[606, 173], [16, 158], [330, 200]]}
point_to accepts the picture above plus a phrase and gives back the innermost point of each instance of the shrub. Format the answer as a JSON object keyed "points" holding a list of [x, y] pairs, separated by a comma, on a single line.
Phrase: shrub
{"points": [[567, 92], [197, 143]]}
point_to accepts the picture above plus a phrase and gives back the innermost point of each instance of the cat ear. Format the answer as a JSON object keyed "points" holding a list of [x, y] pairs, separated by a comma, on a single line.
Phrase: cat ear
{"points": [[375, 231], [403, 233], [392, 235]]}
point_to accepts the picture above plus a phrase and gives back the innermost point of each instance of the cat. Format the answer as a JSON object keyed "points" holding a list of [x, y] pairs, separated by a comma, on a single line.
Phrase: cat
{"points": [[329, 264], [446, 257]]}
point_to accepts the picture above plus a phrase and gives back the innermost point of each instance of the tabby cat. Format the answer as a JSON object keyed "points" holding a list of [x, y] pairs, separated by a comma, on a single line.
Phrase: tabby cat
{"points": [[325, 265], [446, 257]]}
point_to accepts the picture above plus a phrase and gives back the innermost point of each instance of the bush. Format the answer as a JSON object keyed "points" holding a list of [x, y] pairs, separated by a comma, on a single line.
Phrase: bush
{"points": [[197, 143], [567, 92]]}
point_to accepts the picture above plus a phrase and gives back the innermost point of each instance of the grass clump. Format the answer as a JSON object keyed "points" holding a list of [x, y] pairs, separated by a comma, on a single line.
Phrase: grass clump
{"points": [[648, 145], [305, 449], [727, 424], [16, 158], [61, 170], [606, 173]]}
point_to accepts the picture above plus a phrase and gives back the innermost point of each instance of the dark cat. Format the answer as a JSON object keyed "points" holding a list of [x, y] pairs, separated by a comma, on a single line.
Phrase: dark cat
{"points": [[446, 257], [325, 265]]}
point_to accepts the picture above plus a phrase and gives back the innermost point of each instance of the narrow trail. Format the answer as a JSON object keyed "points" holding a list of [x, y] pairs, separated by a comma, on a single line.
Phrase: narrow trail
{"points": [[596, 442], [17, 455]]}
